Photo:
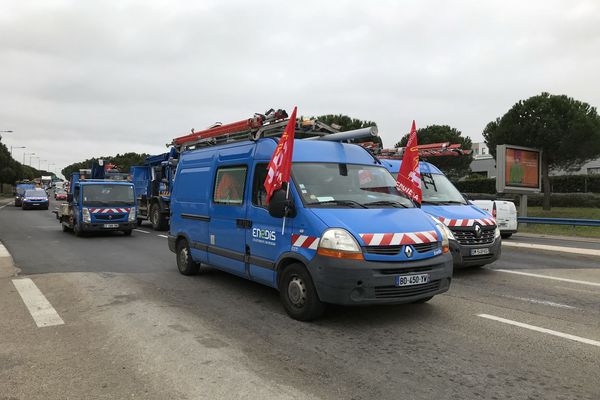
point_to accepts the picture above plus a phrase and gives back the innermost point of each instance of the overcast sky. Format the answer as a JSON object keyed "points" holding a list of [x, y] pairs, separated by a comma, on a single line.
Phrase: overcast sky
{"points": [[90, 78]]}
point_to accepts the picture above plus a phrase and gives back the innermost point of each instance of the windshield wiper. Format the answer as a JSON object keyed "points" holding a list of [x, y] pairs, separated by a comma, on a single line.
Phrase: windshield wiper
{"points": [[386, 203], [338, 202], [443, 202]]}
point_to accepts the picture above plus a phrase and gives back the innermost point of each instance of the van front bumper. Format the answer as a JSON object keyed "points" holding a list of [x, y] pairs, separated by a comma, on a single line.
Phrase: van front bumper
{"points": [[354, 282], [99, 227], [463, 256]]}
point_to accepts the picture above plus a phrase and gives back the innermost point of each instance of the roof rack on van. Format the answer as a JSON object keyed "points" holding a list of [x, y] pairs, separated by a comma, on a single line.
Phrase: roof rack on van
{"points": [[425, 150], [270, 124]]}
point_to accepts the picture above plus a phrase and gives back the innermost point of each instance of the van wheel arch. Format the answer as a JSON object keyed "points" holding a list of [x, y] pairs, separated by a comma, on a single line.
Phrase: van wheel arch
{"points": [[286, 260]]}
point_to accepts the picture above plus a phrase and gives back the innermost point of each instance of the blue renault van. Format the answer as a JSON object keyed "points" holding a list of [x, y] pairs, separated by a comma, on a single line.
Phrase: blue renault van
{"points": [[350, 237], [476, 237]]}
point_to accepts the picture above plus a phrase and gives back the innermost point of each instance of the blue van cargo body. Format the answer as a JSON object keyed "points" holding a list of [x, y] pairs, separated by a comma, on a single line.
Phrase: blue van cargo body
{"points": [[241, 237], [477, 239], [98, 205], [20, 192], [153, 183]]}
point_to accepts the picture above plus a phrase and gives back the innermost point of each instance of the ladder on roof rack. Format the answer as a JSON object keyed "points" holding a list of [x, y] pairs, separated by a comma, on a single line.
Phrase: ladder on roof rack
{"points": [[270, 124], [442, 149]]}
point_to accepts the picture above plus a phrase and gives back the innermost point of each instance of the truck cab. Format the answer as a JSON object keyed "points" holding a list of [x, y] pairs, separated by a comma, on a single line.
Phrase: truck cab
{"points": [[153, 185], [98, 205], [342, 235], [476, 238]]}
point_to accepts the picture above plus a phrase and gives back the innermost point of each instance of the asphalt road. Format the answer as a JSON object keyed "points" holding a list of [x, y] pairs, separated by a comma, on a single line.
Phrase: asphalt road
{"points": [[135, 328]]}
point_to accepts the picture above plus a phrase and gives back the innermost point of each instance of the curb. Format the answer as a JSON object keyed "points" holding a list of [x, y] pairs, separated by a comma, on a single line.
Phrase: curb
{"points": [[556, 237], [7, 266]]}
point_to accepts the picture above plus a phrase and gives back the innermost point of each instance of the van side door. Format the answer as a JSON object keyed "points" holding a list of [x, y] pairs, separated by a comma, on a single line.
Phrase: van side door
{"points": [[228, 223]]}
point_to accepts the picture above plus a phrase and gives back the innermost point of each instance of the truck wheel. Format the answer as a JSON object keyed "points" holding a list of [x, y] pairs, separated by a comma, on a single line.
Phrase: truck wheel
{"points": [[127, 232], [139, 222], [65, 228], [185, 263], [298, 294], [77, 230], [158, 219]]}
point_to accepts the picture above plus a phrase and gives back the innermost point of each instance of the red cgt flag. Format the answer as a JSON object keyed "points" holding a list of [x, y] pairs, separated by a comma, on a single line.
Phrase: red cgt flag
{"points": [[280, 166], [409, 178]]}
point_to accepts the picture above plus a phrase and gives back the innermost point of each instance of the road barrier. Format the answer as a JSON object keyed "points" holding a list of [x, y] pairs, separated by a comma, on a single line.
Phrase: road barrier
{"points": [[559, 221]]}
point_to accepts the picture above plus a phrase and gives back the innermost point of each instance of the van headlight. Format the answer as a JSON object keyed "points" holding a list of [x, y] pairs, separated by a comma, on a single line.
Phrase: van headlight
{"points": [[339, 243], [86, 215], [496, 232], [447, 234], [131, 214]]}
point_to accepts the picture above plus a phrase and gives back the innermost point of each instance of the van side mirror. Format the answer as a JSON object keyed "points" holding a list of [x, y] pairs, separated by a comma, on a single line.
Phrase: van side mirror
{"points": [[70, 197], [280, 207]]}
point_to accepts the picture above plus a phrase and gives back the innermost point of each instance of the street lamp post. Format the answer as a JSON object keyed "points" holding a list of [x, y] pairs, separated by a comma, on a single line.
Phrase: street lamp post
{"points": [[27, 154], [15, 147], [31, 158], [5, 132], [40, 162]]}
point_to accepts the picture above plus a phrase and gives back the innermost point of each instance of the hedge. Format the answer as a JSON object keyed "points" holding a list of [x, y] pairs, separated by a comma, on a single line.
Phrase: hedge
{"points": [[586, 200], [558, 184]]}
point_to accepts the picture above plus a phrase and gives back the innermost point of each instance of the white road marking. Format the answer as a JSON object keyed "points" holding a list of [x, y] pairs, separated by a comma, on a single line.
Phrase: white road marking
{"points": [[560, 249], [140, 230], [542, 330], [165, 236], [543, 302], [554, 278], [1, 207], [39, 307], [3, 251]]}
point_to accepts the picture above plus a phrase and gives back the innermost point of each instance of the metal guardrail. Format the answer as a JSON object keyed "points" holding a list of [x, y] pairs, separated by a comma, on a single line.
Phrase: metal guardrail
{"points": [[559, 221]]}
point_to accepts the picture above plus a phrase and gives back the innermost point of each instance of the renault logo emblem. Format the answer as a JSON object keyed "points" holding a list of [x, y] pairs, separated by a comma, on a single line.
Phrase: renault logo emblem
{"points": [[110, 217], [477, 231], [408, 251]]}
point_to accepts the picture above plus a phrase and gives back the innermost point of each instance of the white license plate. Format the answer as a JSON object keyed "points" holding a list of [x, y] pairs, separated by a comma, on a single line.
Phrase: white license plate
{"points": [[480, 252], [111, 225], [409, 280]]}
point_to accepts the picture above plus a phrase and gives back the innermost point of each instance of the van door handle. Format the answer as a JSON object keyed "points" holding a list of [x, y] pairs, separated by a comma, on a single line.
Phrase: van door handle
{"points": [[243, 223]]}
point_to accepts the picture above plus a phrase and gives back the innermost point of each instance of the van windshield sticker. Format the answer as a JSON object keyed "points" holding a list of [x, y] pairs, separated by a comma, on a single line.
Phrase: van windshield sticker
{"points": [[325, 198]]}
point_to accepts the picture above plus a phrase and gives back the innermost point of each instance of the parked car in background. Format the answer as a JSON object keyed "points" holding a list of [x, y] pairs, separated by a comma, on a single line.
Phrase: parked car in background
{"points": [[505, 213], [60, 194], [34, 198]]}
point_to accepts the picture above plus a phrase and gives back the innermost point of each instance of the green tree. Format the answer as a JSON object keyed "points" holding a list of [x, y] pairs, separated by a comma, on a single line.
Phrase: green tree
{"points": [[346, 123], [565, 129], [123, 161], [454, 166]]}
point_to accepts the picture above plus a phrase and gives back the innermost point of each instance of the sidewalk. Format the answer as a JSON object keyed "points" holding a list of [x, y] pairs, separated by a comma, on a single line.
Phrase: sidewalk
{"points": [[519, 235], [561, 244]]}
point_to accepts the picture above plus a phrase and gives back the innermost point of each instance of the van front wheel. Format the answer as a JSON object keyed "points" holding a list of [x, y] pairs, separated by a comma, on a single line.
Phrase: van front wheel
{"points": [[185, 263], [298, 294]]}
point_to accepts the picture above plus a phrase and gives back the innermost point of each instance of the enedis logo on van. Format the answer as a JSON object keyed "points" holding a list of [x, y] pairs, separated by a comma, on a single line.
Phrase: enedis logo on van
{"points": [[264, 236]]}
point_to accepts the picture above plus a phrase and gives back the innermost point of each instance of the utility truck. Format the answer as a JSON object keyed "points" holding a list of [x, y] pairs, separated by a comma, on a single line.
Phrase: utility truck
{"points": [[98, 201]]}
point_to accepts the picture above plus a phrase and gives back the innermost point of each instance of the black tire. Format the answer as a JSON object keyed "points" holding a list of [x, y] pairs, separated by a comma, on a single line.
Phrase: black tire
{"points": [[298, 294], [139, 222], [423, 300], [127, 232], [158, 219], [185, 263], [77, 230], [505, 235], [65, 228]]}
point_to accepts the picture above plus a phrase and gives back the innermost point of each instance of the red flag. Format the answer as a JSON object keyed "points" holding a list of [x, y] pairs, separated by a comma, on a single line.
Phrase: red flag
{"points": [[280, 166], [409, 178]]}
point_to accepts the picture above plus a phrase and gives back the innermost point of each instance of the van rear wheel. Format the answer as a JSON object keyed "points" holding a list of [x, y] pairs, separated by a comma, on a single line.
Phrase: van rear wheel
{"points": [[185, 263], [298, 294]]}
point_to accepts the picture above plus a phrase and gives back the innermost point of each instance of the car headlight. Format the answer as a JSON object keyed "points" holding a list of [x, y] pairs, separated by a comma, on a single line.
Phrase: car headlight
{"points": [[131, 214], [447, 234], [496, 232], [86, 215], [339, 243]]}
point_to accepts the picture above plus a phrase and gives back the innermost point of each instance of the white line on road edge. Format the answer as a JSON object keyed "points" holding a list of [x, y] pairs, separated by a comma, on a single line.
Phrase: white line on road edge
{"points": [[543, 330], [3, 251], [560, 249], [542, 302], [141, 230], [165, 236], [1, 207], [554, 278], [39, 307]]}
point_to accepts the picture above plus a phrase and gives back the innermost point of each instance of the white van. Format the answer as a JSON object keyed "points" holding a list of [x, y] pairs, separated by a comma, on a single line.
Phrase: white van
{"points": [[505, 213]]}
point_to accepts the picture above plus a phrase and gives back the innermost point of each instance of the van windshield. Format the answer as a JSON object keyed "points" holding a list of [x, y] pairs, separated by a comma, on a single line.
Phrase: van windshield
{"points": [[107, 195], [437, 189], [347, 186]]}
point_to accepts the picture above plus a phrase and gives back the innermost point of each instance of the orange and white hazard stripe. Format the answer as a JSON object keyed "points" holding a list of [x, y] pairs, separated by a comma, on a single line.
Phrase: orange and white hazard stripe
{"points": [[467, 222], [392, 239]]}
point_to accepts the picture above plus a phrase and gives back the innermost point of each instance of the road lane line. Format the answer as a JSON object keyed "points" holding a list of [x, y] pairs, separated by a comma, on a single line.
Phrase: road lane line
{"points": [[165, 236], [141, 230], [1, 207], [560, 249], [3, 251], [554, 278], [39, 307], [542, 330], [542, 302]]}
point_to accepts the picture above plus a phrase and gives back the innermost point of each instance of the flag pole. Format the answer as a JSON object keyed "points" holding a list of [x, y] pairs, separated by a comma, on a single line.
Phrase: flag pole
{"points": [[287, 195]]}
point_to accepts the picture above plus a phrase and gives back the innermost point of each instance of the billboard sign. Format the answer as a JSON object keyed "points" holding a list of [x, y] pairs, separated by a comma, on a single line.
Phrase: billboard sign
{"points": [[519, 169]]}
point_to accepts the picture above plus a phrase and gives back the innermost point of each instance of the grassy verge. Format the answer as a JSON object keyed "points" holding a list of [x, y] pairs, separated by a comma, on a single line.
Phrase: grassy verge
{"points": [[564, 230]]}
